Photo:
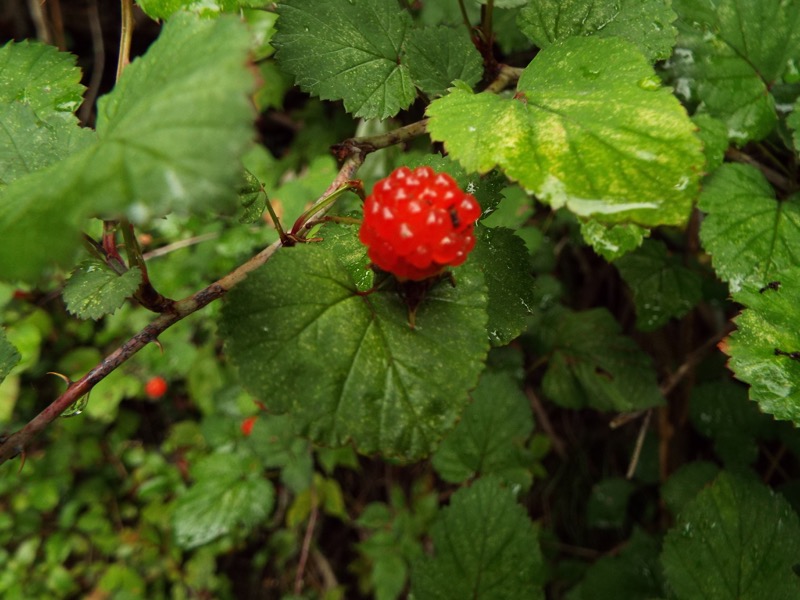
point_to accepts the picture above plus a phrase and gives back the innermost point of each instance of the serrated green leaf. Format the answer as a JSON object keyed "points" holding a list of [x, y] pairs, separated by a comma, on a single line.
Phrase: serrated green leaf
{"points": [[227, 493], [714, 135], [685, 483], [593, 130], [593, 364], [28, 144], [386, 386], [737, 540], [485, 546], [252, 197], [94, 290], [750, 235], [9, 355], [347, 50], [767, 325], [728, 56], [612, 241], [633, 574], [490, 436], [170, 135], [41, 77], [504, 260], [437, 56], [275, 442], [648, 23], [662, 287]]}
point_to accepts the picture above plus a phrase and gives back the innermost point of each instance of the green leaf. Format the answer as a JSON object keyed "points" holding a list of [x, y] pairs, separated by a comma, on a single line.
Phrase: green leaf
{"points": [[685, 483], [275, 442], [633, 574], [793, 121], [714, 135], [721, 411], [387, 387], [41, 77], [591, 129], [607, 507], [163, 9], [95, 290], [347, 50], [28, 144], [612, 241], [491, 434], [227, 493], [170, 136], [769, 325], [737, 540], [9, 355], [751, 236], [593, 364], [648, 23], [252, 197], [728, 56], [485, 547], [503, 258], [437, 56], [662, 287]]}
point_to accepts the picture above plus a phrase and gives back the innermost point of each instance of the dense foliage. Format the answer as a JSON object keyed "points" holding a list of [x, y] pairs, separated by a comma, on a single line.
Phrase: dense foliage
{"points": [[599, 403]]}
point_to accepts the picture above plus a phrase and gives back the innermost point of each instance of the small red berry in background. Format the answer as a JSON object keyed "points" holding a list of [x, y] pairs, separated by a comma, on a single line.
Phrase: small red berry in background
{"points": [[155, 387], [417, 223], [247, 425]]}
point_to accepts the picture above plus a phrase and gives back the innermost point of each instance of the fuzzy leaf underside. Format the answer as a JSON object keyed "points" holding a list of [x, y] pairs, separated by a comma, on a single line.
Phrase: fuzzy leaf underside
{"points": [[347, 50], [383, 385], [648, 24], [737, 540], [169, 137], [590, 129], [485, 546], [750, 234], [765, 329]]}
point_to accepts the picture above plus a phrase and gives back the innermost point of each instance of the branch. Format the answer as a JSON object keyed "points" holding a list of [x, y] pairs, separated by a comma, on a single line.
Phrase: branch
{"points": [[15, 444]]}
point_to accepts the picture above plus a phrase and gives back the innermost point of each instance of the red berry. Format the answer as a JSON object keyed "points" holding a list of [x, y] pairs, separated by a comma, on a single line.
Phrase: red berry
{"points": [[247, 425], [155, 387], [417, 223]]}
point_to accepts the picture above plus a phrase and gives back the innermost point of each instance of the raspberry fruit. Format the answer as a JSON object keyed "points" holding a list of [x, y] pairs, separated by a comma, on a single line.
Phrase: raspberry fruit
{"points": [[417, 223], [155, 387]]}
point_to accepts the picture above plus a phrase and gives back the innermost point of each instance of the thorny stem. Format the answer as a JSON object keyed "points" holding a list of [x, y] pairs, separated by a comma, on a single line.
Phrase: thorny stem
{"points": [[312, 523], [147, 295], [14, 444]]}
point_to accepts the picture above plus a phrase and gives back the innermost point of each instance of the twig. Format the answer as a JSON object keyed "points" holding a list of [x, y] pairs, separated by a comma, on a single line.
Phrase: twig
{"points": [[39, 20], [14, 444], [125, 35], [370, 144], [505, 77], [637, 450], [544, 421], [312, 523], [164, 250]]}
